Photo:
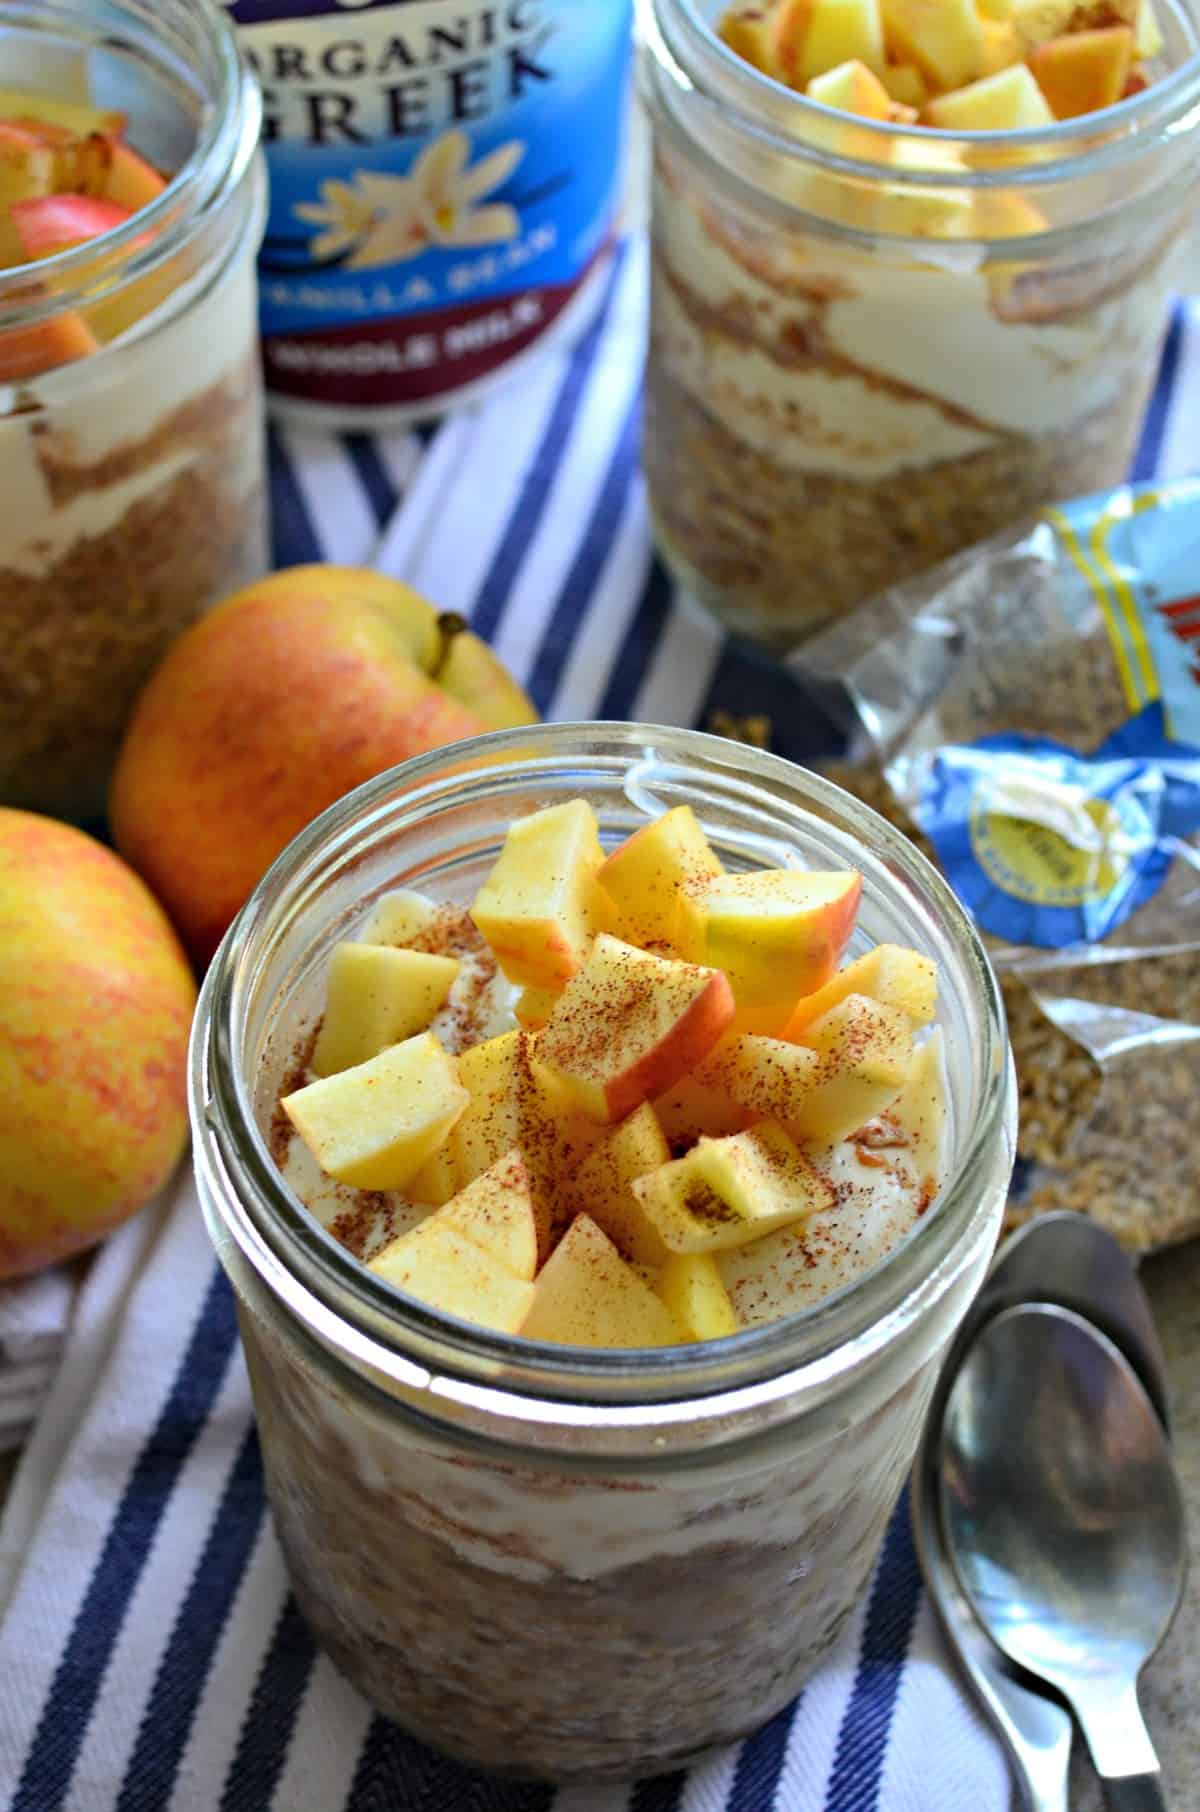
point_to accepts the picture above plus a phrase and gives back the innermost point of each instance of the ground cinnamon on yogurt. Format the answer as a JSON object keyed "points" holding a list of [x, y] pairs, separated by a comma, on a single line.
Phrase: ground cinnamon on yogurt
{"points": [[443, 184]]}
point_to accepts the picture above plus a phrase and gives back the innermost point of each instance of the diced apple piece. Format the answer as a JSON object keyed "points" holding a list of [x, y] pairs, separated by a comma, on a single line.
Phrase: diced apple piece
{"points": [[925, 213], [397, 917], [628, 1026], [376, 997], [537, 909], [436, 1182], [919, 1111], [26, 171], [1084, 72], [764, 33], [1000, 46], [642, 877], [768, 1076], [854, 89], [533, 1007], [496, 1211], [727, 1192], [905, 84], [864, 1051], [995, 11], [496, 1077], [51, 223], [28, 352], [1037, 21], [132, 182], [44, 109], [376, 1125], [1007, 102], [837, 31], [942, 37], [601, 1186], [699, 1104], [890, 973], [1005, 217], [586, 1295], [442, 1267], [776, 933], [690, 1285], [1148, 38]]}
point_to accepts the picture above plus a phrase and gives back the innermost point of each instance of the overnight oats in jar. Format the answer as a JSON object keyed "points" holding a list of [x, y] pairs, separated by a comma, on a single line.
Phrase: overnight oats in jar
{"points": [[604, 1129], [131, 445], [911, 268]]}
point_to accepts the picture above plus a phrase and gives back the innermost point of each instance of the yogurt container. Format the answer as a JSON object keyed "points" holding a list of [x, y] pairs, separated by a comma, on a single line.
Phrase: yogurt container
{"points": [[443, 185]]}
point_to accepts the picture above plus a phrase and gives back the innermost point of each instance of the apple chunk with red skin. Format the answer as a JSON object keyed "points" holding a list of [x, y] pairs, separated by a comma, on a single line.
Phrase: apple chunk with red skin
{"points": [[629, 1025], [777, 933], [537, 908]]}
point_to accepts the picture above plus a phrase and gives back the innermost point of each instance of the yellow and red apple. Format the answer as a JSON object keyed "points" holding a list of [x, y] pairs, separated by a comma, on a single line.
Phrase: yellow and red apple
{"points": [[96, 1000], [269, 709]]}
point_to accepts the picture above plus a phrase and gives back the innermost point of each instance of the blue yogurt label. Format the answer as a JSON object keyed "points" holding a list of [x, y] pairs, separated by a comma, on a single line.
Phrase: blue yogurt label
{"points": [[442, 182]]}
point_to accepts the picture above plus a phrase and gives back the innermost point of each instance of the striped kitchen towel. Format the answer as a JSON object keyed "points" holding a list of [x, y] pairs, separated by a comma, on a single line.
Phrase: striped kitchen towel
{"points": [[151, 1657]]}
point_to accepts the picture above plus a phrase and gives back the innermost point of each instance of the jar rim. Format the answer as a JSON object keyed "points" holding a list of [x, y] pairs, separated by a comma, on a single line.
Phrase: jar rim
{"points": [[690, 59], [228, 127], [418, 1349]]}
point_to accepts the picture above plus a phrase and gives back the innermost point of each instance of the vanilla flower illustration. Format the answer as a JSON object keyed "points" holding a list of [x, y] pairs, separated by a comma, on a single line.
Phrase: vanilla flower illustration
{"points": [[382, 219]]}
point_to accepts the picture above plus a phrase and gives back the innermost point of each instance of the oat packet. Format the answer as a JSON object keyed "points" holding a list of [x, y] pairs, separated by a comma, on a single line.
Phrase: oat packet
{"points": [[1030, 713]]}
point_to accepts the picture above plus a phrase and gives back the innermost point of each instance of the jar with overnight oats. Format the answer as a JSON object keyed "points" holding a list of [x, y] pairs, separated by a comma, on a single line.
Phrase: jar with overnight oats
{"points": [[876, 341], [132, 470], [662, 1543]]}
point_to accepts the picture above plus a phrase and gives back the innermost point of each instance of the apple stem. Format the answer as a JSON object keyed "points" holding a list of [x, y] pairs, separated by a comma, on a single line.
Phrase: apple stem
{"points": [[450, 624]]}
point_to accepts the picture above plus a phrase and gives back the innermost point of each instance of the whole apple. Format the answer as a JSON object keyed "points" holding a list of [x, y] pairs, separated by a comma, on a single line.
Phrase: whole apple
{"points": [[96, 1001], [270, 708]]}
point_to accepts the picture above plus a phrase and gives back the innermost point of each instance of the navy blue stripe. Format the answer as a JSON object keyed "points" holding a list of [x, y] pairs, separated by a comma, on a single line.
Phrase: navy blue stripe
{"points": [[570, 608], [523, 523], [397, 1774], [293, 538], [373, 475], [760, 1764], [1145, 461], [645, 633], [891, 1612], [662, 1794], [270, 1718], [171, 1708], [64, 1721]]}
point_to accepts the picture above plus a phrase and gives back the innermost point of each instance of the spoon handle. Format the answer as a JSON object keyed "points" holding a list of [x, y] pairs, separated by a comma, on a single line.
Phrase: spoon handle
{"points": [[1135, 1793]]}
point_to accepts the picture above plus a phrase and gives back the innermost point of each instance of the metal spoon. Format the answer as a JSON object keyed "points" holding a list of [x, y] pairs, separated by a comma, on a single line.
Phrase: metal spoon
{"points": [[1064, 1520], [1068, 1259]]}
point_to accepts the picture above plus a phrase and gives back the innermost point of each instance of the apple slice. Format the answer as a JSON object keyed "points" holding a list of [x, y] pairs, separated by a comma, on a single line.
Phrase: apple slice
{"points": [[30, 352], [601, 1185], [766, 33], [374, 1126], [699, 1104], [376, 996], [440, 1266], [776, 932], [829, 32], [691, 1287], [628, 1026], [496, 1211], [397, 917], [642, 877], [586, 1295], [132, 182], [943, 38], [1084, 72], [1009, 101], [728, 1192], [768, 1076], [1148, 38], [890, 973], [533, 1007], [537, 908], [905, 84], [436, 1183], [919, 1111], [865, 1051], [1000, 45], [852, 88], [52, 223], [47, 110]]}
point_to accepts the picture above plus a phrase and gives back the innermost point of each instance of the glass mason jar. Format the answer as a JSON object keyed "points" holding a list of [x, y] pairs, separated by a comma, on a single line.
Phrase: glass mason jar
{"points": [[131, 444], [872, 346], [657, 1546]]}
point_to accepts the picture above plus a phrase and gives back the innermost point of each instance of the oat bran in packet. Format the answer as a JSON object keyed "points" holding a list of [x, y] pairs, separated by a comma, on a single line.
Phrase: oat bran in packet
{"points": [[1030, 712]]}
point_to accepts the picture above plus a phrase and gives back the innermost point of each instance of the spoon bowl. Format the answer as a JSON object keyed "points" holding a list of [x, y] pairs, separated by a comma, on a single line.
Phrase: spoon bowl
{"points": [[1063, 1517]]}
